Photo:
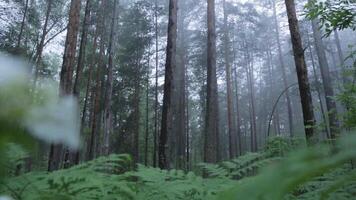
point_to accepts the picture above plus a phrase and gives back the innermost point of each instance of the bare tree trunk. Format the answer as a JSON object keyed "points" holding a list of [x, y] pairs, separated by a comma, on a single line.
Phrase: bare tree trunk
{"points": [[136, 117], [166, 129], [230, 103], [180, 119], [327, 131], [147, 108], [40, 46], [95, 124], [66, 76], [211, 140], [108, 122], [283, 67], [238, 115], [188, 161], [79, 71], [339, 49], [82, 48], [327, 82], [23, 23], [154, 159], [302, 72], [250, 78]]}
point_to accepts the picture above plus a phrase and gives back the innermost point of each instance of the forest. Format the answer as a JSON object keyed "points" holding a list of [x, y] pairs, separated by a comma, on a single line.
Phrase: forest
{"points": [[177, 99]]}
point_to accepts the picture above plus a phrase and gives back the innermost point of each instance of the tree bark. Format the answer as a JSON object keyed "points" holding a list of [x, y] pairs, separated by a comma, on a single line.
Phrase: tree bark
{"points": [[95, 124], [229, 96], [211, 140], [108, 121], [155, 135], [250, 82], [23, 23], [327, 82], [180, 119], [318, 90], [40, 46], [66, 76], [166, 126], [302, 72]]}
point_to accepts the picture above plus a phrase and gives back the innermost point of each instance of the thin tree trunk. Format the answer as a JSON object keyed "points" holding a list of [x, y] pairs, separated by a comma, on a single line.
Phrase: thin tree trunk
{"points": [[154, 159], [79, 71], [229, 96], [188, 162], [238, 116], [108, 122], [318, 90], [136, 118], [302, 72], [40, 46], [250, 78], [211, 140], [23, 23], [339, 51], [166, 129], [327, 83], [147, 108], [283, 67]]}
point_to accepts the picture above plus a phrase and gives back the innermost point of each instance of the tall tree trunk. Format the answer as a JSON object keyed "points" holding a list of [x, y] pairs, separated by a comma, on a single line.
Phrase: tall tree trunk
{"points": [[23, 23], [238, 115], [95, 124], [82, 49], [250, 82], [283, 67], [229, 95], [327, 82], [166, 129], [187, 126], [211, 140], [136, 117], [66, 76], [80, 66], [180, 76], [327, 131], [108, 122], [147, 107], [339, 49], [155, 135], [302, 72]]}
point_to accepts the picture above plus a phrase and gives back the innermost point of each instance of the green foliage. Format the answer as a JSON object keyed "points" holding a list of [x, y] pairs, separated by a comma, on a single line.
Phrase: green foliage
{"points": [[315, 169], [112, 177], [333, 14], [26, 113]]}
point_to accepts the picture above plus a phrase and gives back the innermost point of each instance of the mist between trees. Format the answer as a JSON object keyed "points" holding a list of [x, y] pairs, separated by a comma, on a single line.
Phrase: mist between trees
{"points": [[205, 93]]}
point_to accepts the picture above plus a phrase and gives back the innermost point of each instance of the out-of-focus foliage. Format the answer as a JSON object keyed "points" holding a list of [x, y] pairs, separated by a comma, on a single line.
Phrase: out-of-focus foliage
{"points": [[314, 173], [26, 113], [333, 14], [348, 96]]}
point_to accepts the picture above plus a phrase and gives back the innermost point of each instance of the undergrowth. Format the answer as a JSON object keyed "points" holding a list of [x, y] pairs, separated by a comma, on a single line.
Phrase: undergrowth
{"points": [[278, 172]]}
